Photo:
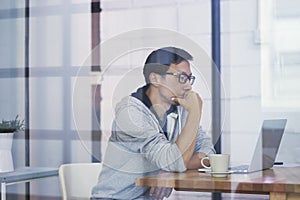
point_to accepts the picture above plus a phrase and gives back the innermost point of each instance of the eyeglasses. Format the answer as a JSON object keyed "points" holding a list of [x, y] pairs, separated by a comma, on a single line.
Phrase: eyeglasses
{"points": [[183, 77]]}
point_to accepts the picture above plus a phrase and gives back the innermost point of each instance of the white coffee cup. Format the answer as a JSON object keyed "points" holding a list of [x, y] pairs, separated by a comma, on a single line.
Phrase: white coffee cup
{"points": [[218, 164]]}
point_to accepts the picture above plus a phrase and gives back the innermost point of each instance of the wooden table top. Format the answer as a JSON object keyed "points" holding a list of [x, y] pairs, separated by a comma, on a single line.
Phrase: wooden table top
{"points": [[277, 179]]}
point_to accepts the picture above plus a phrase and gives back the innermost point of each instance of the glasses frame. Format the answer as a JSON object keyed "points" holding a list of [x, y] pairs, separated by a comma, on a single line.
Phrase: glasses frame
{"points": [[181, 80]]}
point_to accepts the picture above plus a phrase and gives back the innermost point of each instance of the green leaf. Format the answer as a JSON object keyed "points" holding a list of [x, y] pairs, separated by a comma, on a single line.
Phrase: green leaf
{"points": [[8, 126]]}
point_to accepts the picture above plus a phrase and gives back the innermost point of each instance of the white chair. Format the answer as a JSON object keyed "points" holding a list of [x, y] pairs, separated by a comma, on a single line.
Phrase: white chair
{"points": [[77, 179]]}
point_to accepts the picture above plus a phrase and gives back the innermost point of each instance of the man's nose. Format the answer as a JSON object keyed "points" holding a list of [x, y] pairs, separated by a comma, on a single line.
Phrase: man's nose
{"points": [[187, 85]]}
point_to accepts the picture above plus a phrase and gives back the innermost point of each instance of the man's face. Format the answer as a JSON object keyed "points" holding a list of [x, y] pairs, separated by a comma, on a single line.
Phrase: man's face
{"points": [[171, 86]]}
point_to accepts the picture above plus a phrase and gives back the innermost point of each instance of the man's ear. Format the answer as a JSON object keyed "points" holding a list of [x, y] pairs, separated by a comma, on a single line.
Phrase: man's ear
{"points": [[154, 79]]}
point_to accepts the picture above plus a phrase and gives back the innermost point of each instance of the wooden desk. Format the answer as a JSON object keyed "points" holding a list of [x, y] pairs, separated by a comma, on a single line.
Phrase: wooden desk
{"points": [[280, 183], [24, 174]]}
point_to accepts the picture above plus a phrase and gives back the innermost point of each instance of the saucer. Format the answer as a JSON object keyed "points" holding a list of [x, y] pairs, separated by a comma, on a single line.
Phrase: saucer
{"points": [[220, 174]]}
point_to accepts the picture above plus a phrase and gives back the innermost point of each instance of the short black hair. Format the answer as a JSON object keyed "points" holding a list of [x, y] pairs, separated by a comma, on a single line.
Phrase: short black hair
{"points": [[160, 60]]}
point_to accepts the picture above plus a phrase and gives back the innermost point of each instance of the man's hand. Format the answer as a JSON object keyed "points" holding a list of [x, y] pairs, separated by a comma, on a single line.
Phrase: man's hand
{"points": [[160, 193], [191, 101]]}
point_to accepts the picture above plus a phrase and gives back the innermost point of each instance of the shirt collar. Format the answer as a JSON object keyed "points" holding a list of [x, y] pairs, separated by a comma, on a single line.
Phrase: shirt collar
{"points": [[143, 97]]}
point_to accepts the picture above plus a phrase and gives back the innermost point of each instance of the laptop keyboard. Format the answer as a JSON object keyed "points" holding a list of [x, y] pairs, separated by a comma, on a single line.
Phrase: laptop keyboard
{"points": [[239, 168]]}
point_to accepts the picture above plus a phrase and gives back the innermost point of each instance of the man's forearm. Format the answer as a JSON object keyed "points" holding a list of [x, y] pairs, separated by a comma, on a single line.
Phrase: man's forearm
{"points": [[194, 162], [187, 138]]}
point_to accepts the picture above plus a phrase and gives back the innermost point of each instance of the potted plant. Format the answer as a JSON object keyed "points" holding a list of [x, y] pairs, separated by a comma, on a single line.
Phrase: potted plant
{"points": [[11, 126], [7, 130]]}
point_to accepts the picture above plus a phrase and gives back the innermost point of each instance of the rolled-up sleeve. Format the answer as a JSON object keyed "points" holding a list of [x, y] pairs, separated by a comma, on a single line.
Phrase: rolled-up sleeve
{"points": [[164, 154], [204, 143]]}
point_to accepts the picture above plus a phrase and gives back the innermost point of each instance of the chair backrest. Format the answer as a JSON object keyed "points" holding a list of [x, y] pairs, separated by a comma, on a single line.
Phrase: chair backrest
{"points": [[77, 179]]}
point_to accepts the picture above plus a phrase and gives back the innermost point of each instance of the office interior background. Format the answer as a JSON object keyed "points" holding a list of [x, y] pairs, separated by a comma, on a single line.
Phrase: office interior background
{"points": [[48, 76]]}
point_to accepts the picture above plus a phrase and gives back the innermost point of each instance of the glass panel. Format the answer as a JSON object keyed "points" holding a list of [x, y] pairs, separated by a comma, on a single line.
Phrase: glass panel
{"points": [[35, 3], [12, 94], [12, 45], [10, 4], [49, 41], [81, 104], [80, 38], [47, 103]]}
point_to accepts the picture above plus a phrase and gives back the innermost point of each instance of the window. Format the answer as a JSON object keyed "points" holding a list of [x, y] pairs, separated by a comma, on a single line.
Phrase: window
{"points": [[280, 28]]}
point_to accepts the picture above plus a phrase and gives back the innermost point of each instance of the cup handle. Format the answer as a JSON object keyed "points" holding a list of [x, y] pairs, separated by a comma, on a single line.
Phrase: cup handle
{"points": [[203, 164]]}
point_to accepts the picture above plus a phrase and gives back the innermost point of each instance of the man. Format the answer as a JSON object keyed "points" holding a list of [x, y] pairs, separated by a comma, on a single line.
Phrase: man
{"points": [[156, 128]]}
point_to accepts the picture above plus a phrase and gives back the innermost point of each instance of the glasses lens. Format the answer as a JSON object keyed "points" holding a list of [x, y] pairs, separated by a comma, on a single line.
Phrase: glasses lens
{"points": [[183, 78], [192, 80]]}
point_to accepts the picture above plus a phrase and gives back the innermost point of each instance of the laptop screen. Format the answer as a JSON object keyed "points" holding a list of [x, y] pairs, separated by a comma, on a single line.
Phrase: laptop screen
{"points": [[268, 144]]}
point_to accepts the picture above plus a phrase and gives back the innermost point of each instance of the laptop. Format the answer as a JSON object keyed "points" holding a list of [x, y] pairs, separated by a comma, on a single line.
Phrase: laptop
{"points": [[266, 147]]}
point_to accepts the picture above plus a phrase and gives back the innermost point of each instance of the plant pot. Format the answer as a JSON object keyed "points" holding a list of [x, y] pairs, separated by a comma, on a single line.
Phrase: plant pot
{"points": [[6, 161]]}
